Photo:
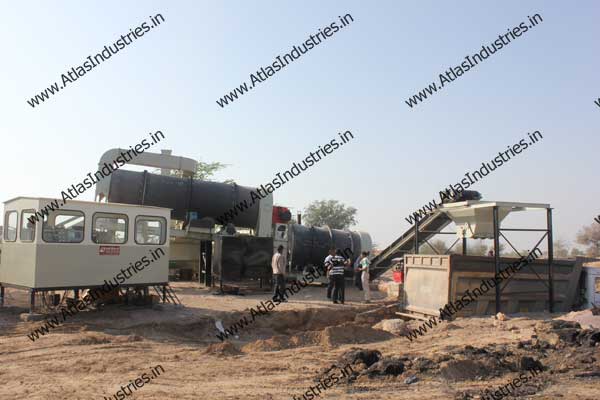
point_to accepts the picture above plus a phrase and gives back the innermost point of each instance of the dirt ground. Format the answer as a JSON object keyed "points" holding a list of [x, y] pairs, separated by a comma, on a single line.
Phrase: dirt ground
{"points": [[283, 353]]}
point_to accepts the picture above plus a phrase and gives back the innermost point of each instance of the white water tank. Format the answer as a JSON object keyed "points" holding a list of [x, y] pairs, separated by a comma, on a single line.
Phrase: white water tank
{"points": [[592, 284]]}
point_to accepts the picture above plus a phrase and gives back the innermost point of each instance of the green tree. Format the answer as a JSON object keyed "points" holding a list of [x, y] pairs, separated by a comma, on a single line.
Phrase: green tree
{"points": [[205, 170], [561, 249], [575, 252], [439, 245], [475, 247], [589, 236], [331, 213]]}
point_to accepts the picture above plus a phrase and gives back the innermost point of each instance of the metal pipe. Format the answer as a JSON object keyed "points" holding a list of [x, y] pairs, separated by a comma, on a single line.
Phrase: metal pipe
{"points": [[146, 159], [417, 235], [550, 259], [496, 255], [522, 230], [208, 199]]}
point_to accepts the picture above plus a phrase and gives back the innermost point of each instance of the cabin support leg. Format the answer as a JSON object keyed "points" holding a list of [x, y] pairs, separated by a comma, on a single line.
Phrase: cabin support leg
{"points": [[31, 300]]}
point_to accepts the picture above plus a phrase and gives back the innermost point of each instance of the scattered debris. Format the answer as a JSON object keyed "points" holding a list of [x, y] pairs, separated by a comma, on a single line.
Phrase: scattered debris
{"points": [[501, 317], [462, 370], [588, 374], [367, 357], [387, 366], [223, 349], [528, 363]]}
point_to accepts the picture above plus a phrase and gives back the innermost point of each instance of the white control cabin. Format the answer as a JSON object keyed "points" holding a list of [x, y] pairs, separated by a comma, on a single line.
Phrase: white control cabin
{"points": [[82, 244]]}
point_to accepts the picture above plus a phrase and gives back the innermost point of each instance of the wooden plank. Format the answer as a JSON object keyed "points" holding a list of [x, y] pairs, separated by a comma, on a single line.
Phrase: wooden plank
{"points": [[414, 316]]}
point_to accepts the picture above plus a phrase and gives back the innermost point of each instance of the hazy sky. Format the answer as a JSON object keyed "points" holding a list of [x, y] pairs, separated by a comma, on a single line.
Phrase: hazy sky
{"points": [[356, 80]]}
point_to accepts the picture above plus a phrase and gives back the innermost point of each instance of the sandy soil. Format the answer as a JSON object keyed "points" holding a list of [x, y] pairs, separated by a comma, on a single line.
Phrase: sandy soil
{"points": [[284, 352]]}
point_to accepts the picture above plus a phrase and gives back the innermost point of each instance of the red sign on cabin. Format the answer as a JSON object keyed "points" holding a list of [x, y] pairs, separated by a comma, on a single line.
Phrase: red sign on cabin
{"points": [[109, 250]]}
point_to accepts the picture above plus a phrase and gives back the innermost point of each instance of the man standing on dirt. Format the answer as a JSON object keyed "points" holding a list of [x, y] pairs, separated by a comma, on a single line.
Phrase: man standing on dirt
{"points": [[357, 273], [278, 263], [337, 273], [327, 263], [364, 268]]}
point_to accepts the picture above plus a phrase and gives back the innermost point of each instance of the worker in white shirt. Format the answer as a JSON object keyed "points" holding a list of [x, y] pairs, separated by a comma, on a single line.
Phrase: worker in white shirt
{"points": [[278, 263], [364, 268]]}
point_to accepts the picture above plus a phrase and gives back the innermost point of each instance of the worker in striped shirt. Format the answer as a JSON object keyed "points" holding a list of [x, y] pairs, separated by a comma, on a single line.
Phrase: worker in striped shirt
{"points": [[338, 263], [328, 265]]}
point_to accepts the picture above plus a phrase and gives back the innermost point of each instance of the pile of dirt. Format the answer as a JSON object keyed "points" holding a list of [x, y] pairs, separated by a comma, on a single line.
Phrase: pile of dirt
{"points": [[223, 349], [387, 366], [313, 319], [449, 327], [396, 327], [559, 333], [90, 339], [351, 333], [463, 370], [369, 363], [474, 363], [586, 318], [356, 356], [332, 336], [372, 317], [101, 338], [283, 342]]}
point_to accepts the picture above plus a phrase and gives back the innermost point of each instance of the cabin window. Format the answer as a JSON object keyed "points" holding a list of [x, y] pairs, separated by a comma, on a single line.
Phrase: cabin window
{"points": [[150, 230], [27, 228], [63, 227], [10, 223], [109, 228]]}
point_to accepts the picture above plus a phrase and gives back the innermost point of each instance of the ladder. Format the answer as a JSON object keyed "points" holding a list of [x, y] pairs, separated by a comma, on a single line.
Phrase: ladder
{"points": [[167, 294]]}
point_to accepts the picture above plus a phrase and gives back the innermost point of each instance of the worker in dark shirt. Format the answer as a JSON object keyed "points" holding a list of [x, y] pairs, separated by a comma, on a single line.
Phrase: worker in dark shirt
{"points": [[337, 273]]}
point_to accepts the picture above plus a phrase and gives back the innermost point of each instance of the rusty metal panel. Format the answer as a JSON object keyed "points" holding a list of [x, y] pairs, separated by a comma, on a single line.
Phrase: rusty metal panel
{"points": [[426, 288], [432, 281], [243, 257]]}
